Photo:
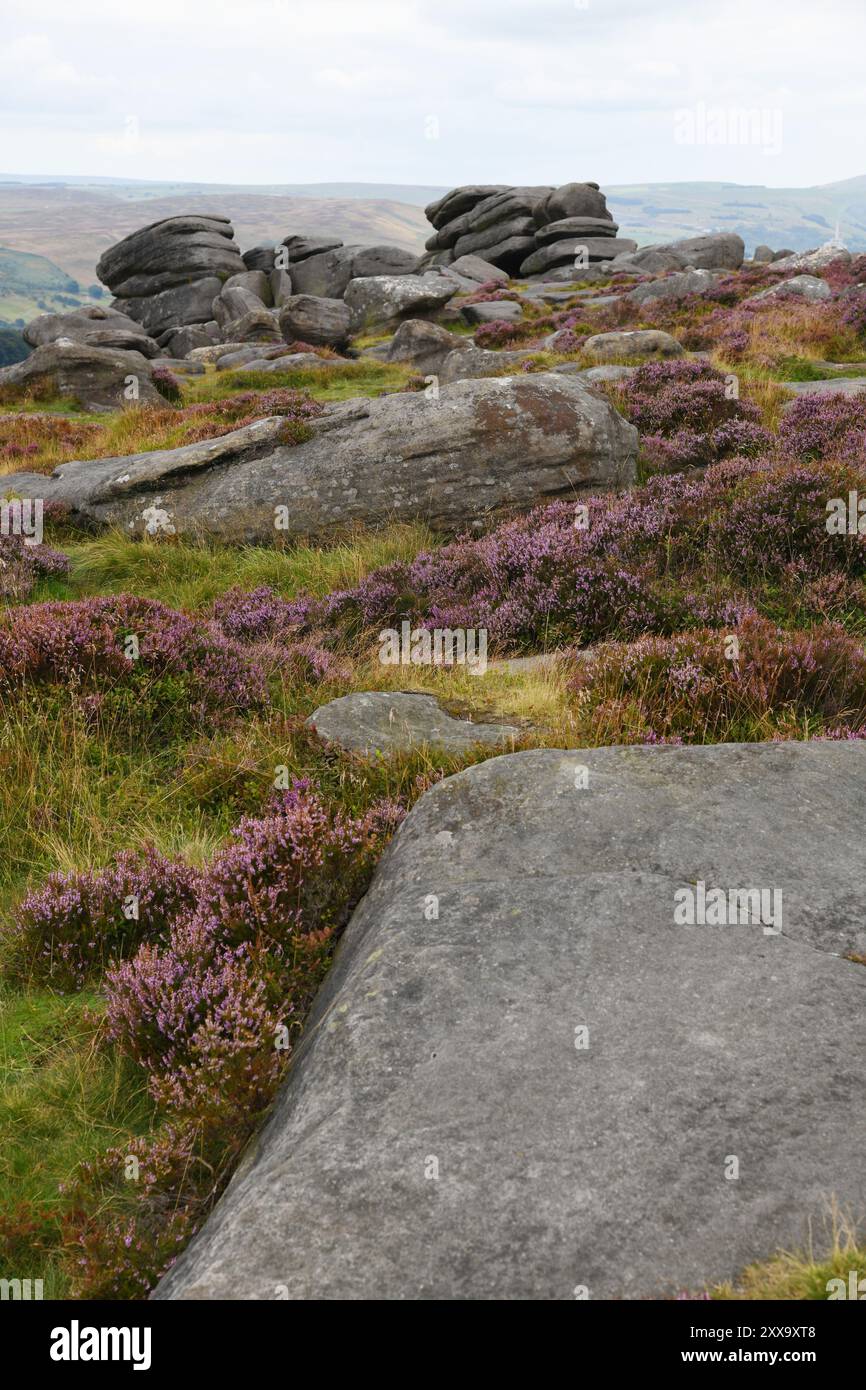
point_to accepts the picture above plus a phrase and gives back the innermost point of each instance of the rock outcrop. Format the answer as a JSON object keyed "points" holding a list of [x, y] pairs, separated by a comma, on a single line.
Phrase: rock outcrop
{"points": [[526, 229], [166, 275], [96, 326], [94, 378], [715, 251], [478, 448], [525, 1078]]}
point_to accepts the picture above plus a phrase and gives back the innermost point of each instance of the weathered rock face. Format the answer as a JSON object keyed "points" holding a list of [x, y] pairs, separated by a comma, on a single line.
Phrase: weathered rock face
{"points": [[381, 301], [524, 1076], [527, 228], [716, 251], [167, 274], [676, 286], [478, 448], [385, 722], [636, 342], [809, 287], [326, 273], [425, 345], [163, 314], [97, 326], [567, 250], [96, 378], [308, 319], [812, 260]]}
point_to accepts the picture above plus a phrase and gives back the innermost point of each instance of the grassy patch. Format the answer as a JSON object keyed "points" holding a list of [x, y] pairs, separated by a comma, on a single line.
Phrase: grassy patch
{"points": [[64, 1098]]}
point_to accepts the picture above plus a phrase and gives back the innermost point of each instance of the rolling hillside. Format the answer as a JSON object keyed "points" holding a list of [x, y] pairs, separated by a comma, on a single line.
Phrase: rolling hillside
{"points": [[70, 222]]}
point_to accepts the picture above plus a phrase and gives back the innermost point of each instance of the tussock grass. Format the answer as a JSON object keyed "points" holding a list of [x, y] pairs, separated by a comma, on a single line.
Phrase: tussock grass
{"points": [[803, 1274], [188, 575]]}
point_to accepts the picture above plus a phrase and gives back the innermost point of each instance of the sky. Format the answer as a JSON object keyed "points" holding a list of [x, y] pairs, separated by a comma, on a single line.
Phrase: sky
{"points": [[443, 93]]}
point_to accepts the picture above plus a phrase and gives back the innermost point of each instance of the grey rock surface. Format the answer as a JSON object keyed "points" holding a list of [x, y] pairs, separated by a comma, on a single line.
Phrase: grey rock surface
{"points": [[809, 287], [847, 385], [95, 325], [174, 308], [96, 378], [812, 260], [676, 286], [381, 301], [476, 268], [448, 1131], [493, 311], [564, 252], [637, 342], [423, 344], [475, 449], [385, 722], [308, 319]]}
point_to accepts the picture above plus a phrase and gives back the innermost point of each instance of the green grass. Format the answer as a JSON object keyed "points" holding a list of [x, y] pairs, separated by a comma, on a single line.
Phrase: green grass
{"points": [[342, 381], [187, 575], [64, 1098]]}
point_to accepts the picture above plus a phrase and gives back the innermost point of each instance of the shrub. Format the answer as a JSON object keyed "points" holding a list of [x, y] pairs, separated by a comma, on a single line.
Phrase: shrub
{"points": [[687, 415], [200, 1007], [686, 688], [826, 426], [131, 661], [167, 384], [23, 565], [68, 931]]}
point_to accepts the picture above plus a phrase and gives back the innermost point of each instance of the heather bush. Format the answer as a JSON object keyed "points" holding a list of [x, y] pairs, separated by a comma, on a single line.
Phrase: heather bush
{"points": [[691, 688], [687, 415], [129, 662], [72, 928], [125, 1235], [167, 384], [826, 426], [23, 565], [200, 1007], [670, 554]]}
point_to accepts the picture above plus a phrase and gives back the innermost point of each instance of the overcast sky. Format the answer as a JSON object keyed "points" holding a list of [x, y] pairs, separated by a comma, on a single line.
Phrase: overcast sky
{"points": [[434, 91]]}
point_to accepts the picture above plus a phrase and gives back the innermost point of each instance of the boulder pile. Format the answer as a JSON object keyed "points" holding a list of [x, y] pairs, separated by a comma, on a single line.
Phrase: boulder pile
{"points": [[525, 230], [166, 275]]}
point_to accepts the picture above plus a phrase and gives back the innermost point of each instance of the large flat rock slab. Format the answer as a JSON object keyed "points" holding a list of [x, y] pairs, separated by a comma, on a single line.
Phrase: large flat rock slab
{"points": [[455, 458], [385, 722], [444, 1133]]}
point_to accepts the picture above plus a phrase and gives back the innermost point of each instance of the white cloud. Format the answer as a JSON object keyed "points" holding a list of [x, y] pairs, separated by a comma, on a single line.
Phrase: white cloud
{"points": [[523, 90]]}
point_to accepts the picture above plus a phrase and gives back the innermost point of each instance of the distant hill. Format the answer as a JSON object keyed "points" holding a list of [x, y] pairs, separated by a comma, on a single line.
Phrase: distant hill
{"points": [[31, 285], [794, 217], [69, 222], [72, 225], [12, 346]]}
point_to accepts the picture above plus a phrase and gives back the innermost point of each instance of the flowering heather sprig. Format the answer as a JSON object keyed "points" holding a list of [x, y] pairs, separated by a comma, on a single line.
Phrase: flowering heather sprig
{"points": [[76, 924], [182, 666], [22, 565], [167, 384]]}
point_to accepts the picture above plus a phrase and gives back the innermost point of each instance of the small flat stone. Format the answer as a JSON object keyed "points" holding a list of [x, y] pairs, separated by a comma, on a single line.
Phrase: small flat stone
{"points": [[384, 722]]}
